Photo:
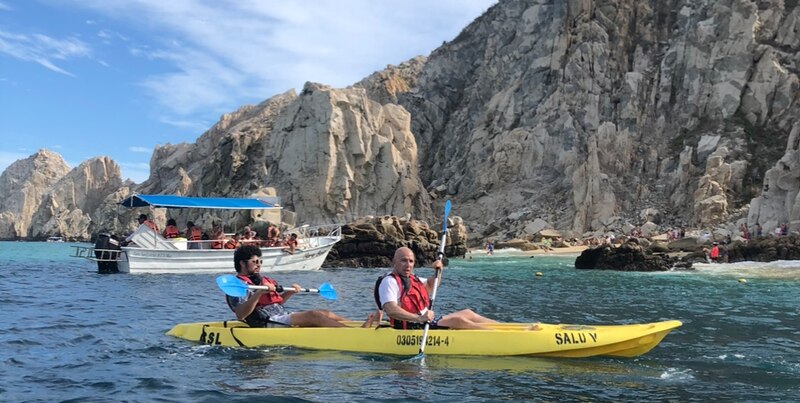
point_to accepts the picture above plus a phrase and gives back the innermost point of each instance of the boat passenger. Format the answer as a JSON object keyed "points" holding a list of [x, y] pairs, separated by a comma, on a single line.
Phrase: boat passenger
{"points": [[218, 236], [146, 221], [264, 308], [290, 245], [171, 230], [404, 297], [194, 234], [272, 235], [142, 220], [248, 236]]}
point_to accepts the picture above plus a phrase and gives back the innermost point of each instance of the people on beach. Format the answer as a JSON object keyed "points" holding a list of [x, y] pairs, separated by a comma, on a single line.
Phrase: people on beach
{"points": [[405, 299], [714, 253], [264, 308]]}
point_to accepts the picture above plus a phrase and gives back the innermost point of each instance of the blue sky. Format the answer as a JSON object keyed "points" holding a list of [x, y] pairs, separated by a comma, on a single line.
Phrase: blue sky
{"points": [[86, 78]]}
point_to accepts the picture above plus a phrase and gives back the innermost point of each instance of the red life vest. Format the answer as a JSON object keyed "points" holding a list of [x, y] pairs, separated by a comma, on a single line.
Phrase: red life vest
{"points": [[415, 299], [194, 234], [269, 298], [715, 252], [171, 231], [151, 225]]}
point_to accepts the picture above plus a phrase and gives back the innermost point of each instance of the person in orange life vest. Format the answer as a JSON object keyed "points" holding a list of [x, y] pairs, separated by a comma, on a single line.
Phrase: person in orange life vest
{"points": [[263, 308], [291, 244], [142, 220], [171, 230], [146, 221], [714, 255], [218, 236], [194, 234], [232, 243], [404, 297]]}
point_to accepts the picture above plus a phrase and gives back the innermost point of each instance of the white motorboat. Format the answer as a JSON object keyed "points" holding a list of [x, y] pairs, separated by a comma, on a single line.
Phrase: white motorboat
{"points": [[149, 252], [55, 239]]}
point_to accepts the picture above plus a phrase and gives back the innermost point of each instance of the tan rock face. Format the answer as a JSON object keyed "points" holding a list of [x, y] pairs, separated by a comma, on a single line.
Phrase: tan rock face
{"points": [[583, 109], [336, 155], [67, 207], [571, 112], [23, 185]]}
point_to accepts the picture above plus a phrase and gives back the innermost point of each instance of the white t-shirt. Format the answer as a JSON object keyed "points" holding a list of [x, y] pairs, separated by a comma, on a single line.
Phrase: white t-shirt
{"points": [[388, 290]]}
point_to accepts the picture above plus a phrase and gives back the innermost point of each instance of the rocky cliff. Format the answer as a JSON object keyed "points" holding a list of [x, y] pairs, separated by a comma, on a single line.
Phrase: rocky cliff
{"points": [[582, 115], [23, 185], [580, 111]]}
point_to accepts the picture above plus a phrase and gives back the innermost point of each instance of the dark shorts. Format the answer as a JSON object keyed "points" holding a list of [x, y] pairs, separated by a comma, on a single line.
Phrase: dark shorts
{"points": [[413, 326]]}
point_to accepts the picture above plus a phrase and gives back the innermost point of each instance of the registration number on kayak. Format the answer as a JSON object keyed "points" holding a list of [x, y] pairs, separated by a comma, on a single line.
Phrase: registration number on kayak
{"points": [[414, 340]]}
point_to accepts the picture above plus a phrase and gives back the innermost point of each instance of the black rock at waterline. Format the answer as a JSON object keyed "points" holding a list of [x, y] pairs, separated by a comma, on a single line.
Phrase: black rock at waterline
{"points": [[627, 257]]}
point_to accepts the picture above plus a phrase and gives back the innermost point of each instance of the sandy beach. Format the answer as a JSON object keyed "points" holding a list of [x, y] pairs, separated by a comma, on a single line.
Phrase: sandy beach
{"points": [[572, 250]]}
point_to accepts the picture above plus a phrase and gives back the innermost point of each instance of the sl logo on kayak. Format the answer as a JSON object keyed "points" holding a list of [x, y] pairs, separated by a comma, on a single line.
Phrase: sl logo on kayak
{"points": [[210, 338], [575, 338]]}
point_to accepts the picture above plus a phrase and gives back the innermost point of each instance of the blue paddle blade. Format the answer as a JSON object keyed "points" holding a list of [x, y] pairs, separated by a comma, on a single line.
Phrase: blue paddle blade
{"points": [[326, 291], [232, 286], [446, 213]]}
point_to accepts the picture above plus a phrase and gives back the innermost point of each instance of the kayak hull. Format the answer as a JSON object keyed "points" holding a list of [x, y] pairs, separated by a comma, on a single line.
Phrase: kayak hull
{"points": [[505, 339]]}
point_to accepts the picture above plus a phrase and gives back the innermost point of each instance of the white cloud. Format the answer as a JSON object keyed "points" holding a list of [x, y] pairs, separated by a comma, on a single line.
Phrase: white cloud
{"points": [[137, 149], [226, 51], [43, 49]]}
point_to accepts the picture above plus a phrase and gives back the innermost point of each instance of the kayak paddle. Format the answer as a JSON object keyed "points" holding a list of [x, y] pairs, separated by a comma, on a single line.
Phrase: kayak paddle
{"points": [[439, 256], [231, 285]]}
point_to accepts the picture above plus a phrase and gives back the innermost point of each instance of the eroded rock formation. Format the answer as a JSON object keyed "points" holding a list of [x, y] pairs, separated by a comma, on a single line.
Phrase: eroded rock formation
{"points": [[372, 241]]}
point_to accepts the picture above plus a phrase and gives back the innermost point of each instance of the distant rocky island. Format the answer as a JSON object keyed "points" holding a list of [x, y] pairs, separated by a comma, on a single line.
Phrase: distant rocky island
{"points": [[578, 117]]}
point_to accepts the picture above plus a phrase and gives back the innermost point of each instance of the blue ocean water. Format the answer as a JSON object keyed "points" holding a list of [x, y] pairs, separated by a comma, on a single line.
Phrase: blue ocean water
{"points": [[71, 334]]}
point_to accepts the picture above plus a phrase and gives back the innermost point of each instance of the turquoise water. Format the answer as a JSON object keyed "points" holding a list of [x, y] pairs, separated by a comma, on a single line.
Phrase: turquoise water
{"points": [[72, 334]]}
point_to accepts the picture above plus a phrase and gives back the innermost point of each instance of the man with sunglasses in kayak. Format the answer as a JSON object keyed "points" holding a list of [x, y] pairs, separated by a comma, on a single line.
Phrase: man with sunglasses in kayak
{"points": [[264, 308], [404, 297]]}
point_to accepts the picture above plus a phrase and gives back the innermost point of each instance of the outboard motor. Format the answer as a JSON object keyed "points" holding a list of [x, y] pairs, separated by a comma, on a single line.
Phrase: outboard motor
{"points": [[105, 251]]}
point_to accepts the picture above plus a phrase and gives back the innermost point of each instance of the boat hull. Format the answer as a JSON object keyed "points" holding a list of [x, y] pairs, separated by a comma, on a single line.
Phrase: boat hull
{"points": [[142, 260], [505, 339]]}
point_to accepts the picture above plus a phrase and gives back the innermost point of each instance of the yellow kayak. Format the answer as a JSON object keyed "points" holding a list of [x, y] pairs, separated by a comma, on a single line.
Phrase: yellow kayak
{"points": [[505, 339]]}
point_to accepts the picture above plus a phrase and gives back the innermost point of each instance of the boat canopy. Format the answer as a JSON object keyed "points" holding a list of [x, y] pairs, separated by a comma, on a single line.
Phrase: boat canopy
{"points": [[172, 201]]}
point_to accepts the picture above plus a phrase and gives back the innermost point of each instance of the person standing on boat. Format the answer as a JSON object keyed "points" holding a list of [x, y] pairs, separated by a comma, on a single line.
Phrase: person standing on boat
{"points": [[264, 308], [272, 235], [404, 297], [171, 230], [142, 220]]}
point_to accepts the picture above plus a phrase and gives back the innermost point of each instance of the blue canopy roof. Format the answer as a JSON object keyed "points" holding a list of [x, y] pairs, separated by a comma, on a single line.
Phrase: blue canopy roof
{"points": [[172, 201]]}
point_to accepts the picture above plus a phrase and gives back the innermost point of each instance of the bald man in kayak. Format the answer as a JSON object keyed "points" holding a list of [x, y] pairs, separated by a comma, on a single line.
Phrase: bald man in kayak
{"points": [[404, 297]]}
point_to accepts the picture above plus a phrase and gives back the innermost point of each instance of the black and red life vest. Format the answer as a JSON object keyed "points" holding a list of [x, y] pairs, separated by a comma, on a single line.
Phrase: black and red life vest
{"points": [[194, 234], [413, 297], [268, 298]]}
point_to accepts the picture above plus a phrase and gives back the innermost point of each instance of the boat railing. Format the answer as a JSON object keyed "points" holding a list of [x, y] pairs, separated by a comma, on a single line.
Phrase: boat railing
{"points": [[98, 255], [311, 236]]}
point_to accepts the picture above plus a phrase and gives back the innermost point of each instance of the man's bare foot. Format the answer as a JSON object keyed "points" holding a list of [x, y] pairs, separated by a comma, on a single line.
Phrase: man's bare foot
{"points": [[535, 326]]}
